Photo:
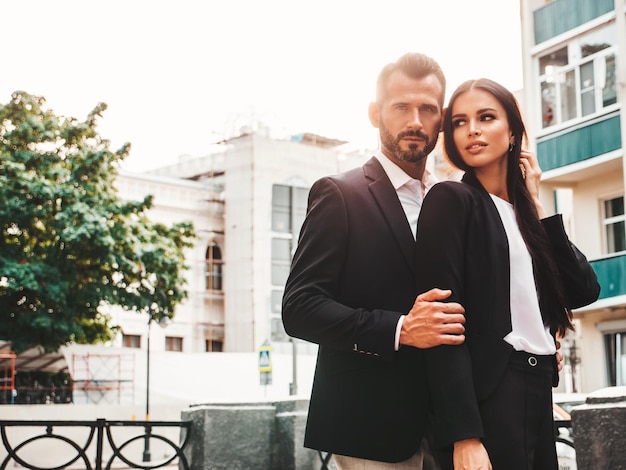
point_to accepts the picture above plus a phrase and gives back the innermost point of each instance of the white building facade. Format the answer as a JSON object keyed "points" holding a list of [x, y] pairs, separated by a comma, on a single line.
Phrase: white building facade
{"points": [[247, 200], [574, 56]]}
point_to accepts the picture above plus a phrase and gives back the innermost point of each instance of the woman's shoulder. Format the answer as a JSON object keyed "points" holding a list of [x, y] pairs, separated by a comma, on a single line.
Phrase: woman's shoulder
{"points": [[453, 188]]}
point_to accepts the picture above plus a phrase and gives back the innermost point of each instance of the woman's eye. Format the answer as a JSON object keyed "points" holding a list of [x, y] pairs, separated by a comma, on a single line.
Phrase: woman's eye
{"points": [[487, 117], [458, 123]]}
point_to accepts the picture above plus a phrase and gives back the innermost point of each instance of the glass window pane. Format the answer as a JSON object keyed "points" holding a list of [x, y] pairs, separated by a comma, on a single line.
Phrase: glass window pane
{"points": [[598, 40], [548, 103], [300, 201], [277, 301], [615, 237], [588, 103], [609, 92], [280, 220], [281, 260], [567, 90], [609, 351], [281, 203], [278, 331], [551, 61], [587, 89], [280, 195], [621, 360], [614, 207], [281, 249], [280, 272]]}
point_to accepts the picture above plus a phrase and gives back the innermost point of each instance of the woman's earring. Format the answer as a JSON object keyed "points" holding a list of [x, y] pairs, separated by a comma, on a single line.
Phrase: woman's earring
{"points": [[511, 145]]}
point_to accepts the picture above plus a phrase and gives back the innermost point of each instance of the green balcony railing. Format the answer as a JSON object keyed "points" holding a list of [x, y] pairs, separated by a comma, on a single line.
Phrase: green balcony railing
{"points": [[580, 144], [559, 16], [611, 274]]}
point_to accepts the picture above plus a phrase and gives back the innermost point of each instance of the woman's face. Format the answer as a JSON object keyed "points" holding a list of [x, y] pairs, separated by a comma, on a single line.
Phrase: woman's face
{"points": [[481, 130]]}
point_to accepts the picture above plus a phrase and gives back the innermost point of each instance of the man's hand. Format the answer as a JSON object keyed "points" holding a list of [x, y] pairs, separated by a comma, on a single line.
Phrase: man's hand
{"points": [[470, 454], [431, 322]]}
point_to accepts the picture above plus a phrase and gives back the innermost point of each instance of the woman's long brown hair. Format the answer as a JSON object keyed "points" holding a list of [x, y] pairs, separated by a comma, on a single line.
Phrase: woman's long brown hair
{"points": [[552, 301]]}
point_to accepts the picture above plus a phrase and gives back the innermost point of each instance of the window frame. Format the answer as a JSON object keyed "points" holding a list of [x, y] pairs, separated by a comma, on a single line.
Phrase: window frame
{"points": [[611, 221], [562, 76]]}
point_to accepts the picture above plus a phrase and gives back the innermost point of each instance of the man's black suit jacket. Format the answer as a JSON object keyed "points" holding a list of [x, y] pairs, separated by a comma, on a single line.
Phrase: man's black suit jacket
{"points": [[462, 240], [352, 277]]}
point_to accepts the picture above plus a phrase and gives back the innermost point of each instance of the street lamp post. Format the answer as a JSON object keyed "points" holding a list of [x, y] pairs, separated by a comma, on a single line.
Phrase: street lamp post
{"points": [[163, 319]]}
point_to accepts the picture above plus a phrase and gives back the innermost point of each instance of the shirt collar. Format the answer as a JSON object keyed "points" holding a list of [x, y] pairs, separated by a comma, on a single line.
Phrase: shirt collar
{"points": [[398, 176]]}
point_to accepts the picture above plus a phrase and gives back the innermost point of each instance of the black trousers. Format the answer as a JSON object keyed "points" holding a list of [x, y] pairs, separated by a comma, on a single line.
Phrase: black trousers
{"points": [[518, 419]]}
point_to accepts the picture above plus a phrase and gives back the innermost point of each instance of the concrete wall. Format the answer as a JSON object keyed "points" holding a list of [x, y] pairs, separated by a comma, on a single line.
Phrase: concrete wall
{"points": [[259, 436]]}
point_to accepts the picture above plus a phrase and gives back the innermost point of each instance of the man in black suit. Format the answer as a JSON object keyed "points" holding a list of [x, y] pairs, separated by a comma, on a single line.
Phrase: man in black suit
{"points": [[351, 288]]}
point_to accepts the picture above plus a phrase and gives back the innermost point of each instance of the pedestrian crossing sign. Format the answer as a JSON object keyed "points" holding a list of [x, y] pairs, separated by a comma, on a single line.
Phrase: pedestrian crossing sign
{"points": [[265, 358]]}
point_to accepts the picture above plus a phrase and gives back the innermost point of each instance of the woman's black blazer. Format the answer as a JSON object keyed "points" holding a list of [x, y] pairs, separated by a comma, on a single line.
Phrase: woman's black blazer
{"points": [[462, 245]]}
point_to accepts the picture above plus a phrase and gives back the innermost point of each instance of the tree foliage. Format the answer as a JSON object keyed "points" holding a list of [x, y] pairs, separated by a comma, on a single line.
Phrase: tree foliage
{"points": [[69, 245]]}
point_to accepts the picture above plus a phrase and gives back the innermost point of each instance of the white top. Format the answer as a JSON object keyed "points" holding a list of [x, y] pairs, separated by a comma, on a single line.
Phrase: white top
{"points": [[529, 333]]}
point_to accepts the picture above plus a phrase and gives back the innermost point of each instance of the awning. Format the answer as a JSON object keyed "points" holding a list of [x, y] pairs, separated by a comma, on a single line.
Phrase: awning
{"points": [[32, 359]]}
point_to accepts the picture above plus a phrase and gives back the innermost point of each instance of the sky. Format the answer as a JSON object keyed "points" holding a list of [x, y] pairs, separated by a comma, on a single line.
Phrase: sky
{"points": [[180, 75]]}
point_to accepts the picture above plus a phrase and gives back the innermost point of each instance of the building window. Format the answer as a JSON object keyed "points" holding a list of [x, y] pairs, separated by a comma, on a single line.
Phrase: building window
{"points": [[131, 341], [281, 260], [615, 349], [277, 301], [614, 225], [213, 346], [579, 79], [281, 208], [288, 208], [173, 343], [278, 332], [289, 204], [213, 267], [288, 211]]}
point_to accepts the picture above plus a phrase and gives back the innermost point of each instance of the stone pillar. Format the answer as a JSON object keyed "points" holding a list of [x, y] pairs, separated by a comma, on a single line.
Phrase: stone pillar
{"points": [[599, 428], [289, 451], [230, 437]]}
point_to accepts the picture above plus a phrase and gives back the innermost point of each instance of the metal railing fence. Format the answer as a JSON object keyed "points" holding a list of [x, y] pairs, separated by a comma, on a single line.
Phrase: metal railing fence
{"points": [[92, 445]]}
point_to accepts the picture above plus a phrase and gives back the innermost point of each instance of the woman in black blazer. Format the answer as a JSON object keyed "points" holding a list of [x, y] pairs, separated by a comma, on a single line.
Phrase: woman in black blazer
{"points": [[518, 277]]}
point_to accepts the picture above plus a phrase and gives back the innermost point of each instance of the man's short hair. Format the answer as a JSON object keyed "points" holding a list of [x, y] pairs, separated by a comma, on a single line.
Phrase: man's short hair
{"points": [[414, 65]]}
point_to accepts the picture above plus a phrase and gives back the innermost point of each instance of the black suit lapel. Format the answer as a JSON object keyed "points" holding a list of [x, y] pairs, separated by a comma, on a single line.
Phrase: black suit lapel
{"points": [[387, 200]]}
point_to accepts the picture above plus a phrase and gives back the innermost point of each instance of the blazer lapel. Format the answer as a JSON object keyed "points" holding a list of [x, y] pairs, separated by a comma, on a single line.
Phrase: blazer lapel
{"points": [[500, 262], [387, 200]]}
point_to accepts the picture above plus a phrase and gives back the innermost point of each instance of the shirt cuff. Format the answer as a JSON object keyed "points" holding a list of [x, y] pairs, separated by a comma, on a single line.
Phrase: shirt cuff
{"points": [[398, 329]]}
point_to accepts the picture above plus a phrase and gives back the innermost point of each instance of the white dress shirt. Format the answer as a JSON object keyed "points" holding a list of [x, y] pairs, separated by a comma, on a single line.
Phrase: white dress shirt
{"points": [[411, 193]]}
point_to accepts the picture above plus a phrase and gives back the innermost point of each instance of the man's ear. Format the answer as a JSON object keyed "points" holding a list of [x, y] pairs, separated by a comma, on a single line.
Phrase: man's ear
{"points": [[374, 113]]}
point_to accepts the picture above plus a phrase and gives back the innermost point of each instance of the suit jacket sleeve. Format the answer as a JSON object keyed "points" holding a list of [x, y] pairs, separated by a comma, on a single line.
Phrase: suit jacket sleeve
{"points": [[579, 279], [443, 227], [312, 309]]}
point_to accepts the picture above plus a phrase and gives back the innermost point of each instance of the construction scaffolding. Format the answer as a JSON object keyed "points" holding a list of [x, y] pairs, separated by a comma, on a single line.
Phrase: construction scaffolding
{"points": [[103, 378]]}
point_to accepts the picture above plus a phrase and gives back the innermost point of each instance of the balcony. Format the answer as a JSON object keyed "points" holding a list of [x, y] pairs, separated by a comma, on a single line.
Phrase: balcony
{"points": [[611, 272], [560, 16], [582, 144]]}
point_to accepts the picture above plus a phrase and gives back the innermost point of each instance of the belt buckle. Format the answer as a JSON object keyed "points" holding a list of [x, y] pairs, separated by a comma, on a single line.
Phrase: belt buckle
{"points": [[532, 360]]}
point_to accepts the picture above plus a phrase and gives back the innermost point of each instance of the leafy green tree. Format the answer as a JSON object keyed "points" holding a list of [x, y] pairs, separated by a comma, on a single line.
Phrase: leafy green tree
{"points": [[69, 245]]}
